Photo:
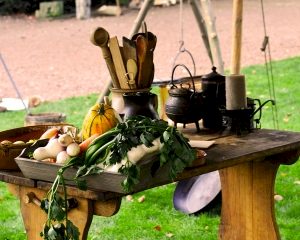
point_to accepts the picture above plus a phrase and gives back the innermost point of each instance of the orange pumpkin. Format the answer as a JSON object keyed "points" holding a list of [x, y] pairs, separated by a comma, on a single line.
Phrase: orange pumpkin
{"points": [[100, 118]]}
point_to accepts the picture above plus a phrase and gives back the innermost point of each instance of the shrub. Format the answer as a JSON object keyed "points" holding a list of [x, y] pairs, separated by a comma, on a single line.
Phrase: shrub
{"points": [[10, 7], [18, 6]]}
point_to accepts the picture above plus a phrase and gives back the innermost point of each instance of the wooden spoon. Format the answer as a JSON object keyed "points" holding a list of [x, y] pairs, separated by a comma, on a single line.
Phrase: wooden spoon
{"points": [[100, 38], [141, 48], [151, 38], [132, 70]]}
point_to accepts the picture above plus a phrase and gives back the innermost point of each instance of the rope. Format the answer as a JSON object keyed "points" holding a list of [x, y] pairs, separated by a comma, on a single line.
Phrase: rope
{"points": [[181, 42], [182, 49], [269, 68]]}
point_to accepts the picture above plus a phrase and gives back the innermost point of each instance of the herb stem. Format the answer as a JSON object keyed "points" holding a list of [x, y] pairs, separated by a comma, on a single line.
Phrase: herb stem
{"points": [[65, 200]]}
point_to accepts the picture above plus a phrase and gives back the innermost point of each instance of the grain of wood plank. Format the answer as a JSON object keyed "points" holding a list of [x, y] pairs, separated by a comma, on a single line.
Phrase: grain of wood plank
{"points": [[118, 62], [247, 201], [16, 178], [34, 217]]}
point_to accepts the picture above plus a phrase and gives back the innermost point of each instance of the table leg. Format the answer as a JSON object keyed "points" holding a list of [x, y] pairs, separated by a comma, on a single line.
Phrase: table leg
{"points": [[248, 202], [34, 217]]}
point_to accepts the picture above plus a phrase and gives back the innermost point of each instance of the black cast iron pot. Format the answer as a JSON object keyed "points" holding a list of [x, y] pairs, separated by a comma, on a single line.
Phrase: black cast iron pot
{"points": [[184, 105]]}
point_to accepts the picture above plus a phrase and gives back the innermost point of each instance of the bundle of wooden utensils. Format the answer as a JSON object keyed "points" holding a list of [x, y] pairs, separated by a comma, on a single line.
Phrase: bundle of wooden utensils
{"points": [[131, 65]]}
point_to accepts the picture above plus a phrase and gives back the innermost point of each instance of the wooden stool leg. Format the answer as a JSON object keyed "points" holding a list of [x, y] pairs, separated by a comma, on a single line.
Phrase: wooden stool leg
{"points": [[34, 217], [248, 202]]}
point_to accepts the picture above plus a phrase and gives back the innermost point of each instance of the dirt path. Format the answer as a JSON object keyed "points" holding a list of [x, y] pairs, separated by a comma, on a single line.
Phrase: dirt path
{"points": [[55, 59]]}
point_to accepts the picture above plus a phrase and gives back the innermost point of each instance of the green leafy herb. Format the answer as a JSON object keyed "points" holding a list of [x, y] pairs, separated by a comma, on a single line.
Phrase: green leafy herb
{"points": [[108, 149], [58, 226], [131, 133]]}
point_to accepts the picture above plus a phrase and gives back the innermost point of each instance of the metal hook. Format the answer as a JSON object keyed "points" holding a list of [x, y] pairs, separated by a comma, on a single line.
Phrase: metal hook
{"points": [[181, 46]]}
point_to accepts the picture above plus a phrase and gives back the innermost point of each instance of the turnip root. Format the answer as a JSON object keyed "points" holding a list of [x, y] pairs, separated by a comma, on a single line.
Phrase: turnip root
{"points": [[65, 139], [62, 157], [73, 149], [49, 151], [53, 147], [40, 153]]}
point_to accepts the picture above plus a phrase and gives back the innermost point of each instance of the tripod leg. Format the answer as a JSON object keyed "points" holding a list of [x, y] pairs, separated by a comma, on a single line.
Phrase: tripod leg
{"points": [[201, 24], [105, 91], [141, 16]]}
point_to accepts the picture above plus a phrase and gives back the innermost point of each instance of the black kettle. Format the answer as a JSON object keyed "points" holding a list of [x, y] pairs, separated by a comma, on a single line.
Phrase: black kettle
{"points": [[184, 104], [213, 90]]}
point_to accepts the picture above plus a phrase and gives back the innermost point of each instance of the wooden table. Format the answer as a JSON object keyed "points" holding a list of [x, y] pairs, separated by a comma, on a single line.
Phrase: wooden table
{"points": [[247, 164]]}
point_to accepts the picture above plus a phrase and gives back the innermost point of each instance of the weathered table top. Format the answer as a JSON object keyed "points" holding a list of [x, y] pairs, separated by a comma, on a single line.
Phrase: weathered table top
{"points": [[229, 150]]}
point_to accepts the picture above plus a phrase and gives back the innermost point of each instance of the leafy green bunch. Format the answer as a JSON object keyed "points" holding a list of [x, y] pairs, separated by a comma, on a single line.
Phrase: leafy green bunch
{"points": [[108, 149], [58, 226], [133, 132]]}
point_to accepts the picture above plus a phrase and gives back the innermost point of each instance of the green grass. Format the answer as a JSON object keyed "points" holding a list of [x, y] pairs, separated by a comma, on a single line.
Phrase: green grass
{"points": [[138, 220]]}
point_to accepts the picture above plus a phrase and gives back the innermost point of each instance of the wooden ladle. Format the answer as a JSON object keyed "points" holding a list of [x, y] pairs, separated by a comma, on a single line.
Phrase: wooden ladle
{"points": [[100, 38]]}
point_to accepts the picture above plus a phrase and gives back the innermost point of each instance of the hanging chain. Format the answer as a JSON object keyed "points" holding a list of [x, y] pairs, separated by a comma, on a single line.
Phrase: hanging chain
{"points": [[269, 68]]}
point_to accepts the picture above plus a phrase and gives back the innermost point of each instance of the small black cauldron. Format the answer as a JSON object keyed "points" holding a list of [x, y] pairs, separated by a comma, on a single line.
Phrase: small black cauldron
{"points": [[184, 105]]}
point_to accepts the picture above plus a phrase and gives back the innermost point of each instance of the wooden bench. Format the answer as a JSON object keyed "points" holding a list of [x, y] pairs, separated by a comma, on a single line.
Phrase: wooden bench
{"points": [[247, 164]]}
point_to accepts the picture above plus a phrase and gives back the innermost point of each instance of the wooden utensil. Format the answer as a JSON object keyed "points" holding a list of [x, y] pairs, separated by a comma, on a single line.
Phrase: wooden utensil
{"points": [[152, 39], [132, 70], [129, 49], [141, 47], [100, 38], [118, 62]]}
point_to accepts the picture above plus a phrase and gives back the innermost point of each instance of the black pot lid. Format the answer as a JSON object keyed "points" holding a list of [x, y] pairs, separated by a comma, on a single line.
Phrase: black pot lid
{"points": [[213, 76]]}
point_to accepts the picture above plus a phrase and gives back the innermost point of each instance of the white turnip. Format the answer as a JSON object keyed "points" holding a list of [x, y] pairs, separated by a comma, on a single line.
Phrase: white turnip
{"points": [[73, 149]]}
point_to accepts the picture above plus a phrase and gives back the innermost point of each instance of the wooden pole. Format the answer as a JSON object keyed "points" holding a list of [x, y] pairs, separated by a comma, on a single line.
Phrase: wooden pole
{"points": [[141, 16], [237, 20], [201, 24], [212, 34]]}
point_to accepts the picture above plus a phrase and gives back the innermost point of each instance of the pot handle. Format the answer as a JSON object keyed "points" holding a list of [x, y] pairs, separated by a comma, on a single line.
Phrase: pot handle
{"points": [[173, 71], [259, 109]]}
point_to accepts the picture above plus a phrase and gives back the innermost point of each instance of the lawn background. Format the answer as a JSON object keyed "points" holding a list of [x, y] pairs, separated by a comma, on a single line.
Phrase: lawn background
{"points": [[141, 220]]}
